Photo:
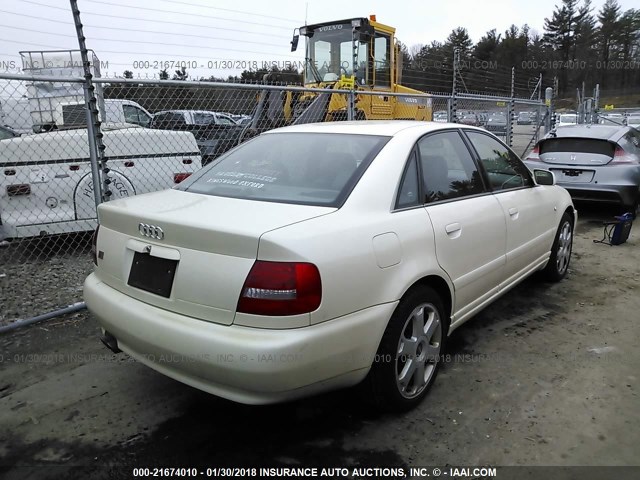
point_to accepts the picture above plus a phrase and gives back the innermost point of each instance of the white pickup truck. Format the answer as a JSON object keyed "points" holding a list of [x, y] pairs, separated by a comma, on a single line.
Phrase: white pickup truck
{"points": [[18, 114], [45, 179]]}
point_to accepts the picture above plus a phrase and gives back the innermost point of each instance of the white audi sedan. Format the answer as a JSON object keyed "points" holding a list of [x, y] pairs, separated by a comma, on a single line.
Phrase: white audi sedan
{"points": [[315, 257]]}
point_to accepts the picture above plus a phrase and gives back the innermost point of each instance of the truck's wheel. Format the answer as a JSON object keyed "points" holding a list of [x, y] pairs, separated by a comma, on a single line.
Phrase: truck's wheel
{"points": [[408, 357]]}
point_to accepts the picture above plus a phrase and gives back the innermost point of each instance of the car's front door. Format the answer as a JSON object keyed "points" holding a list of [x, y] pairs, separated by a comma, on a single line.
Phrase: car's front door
{"points": [[468, 222], [528, 209]]}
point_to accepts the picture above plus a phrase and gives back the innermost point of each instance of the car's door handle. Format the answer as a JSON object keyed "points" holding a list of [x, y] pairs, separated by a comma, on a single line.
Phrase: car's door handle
{"points": [[452, 228], [513, 212]]}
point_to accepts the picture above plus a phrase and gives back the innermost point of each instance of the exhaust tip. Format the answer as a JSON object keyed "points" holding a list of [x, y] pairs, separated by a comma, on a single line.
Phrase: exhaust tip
{"points": [[110, 342]]}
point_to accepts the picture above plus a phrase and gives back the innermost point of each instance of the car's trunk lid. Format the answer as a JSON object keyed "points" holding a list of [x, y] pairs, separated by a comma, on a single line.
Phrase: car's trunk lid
{"points": [[576, 151], [187, 252]]}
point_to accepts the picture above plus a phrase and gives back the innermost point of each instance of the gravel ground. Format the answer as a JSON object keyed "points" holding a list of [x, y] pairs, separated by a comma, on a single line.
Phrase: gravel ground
{"points": [[42, 276], [547, 375]]}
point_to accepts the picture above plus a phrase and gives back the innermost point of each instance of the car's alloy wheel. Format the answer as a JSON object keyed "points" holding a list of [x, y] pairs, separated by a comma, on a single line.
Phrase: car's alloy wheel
{"points": [[560, 257], [409, 354], [563, 254], [418, 350]]}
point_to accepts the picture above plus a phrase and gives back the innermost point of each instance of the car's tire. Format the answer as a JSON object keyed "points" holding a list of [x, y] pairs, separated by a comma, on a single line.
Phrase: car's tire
{"points": [[410, 352], [558, 264]]}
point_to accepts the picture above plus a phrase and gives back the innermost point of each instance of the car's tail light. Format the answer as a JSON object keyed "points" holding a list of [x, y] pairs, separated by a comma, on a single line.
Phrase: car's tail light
{"points": [[620, 157], [281, 288], [179, 177], [18, 189], [94, 246], [534, 155]]}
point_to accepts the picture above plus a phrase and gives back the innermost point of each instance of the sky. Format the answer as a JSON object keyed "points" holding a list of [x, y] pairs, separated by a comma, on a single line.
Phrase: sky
{"points": [[223, 37]]}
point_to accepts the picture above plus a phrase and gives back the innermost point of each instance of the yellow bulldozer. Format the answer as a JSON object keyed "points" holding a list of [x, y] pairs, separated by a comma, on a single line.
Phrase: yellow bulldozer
{"points": [[352, 56]]}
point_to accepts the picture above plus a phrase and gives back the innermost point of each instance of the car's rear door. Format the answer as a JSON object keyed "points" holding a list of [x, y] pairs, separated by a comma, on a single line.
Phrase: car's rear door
{"points": [[528, 209], [468, 222]]}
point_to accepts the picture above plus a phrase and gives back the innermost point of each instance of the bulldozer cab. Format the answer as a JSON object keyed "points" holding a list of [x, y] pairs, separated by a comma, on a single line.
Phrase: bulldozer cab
{"points": [[356, 54], [356, 49]]}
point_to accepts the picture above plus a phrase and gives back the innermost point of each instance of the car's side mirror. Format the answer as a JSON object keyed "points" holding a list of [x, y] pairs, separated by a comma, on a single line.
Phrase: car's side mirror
{"points": [[544, 177]]}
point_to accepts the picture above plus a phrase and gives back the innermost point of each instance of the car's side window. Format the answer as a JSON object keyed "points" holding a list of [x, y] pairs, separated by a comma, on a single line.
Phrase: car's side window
{"points": [[5, 134], [130, 114], [221, 120], [144, 119], [448, 170], [504, 169], [409, 189]]}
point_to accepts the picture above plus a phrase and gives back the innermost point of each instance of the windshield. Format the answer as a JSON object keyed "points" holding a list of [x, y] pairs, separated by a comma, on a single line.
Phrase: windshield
{"points": [[302, 168], [329, 55]]}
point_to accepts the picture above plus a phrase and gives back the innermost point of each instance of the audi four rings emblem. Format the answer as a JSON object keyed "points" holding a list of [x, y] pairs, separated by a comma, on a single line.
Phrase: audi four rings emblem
{"points": [[151, 231]]}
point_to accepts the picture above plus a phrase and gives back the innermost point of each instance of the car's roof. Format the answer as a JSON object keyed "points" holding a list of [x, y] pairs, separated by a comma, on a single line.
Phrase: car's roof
{"points": [[368, 127], [590, 131]]}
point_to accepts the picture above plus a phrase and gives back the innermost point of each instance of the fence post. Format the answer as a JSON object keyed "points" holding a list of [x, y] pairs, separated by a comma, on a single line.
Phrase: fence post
{"points": [[536, 135], [596, 103], [548, 100], [452, 110], [351, 107], [101, 191], [511, 109]]}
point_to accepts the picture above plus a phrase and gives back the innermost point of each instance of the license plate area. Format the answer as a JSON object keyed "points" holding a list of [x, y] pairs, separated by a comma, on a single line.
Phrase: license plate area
{"points": [[573, 175], [152, 274]]}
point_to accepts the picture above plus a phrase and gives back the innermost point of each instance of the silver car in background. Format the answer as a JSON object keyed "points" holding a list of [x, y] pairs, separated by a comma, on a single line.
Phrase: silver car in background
{"points": [[599, 163], [633, 120]]}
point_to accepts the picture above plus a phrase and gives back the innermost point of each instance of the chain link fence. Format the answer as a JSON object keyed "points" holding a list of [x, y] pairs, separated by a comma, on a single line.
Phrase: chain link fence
{"points": [[154, 135]]}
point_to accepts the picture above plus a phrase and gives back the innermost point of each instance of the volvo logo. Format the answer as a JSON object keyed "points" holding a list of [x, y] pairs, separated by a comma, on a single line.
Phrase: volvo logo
{"points": [[150, 231]]}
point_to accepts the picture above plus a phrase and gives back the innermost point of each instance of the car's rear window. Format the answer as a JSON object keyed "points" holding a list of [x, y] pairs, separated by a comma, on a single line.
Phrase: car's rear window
{"points": [[302, 168], [577, 145]]}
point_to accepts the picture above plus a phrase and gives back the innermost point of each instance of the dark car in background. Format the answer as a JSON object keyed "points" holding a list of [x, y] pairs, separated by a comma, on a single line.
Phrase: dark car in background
{"points": [[497, 123], [215, 133], [599, 163], [524, 118]]}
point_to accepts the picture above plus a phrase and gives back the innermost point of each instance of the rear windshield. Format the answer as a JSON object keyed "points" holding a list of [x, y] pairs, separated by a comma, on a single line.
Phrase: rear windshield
{"points": [[302, 168], [577, 145]]}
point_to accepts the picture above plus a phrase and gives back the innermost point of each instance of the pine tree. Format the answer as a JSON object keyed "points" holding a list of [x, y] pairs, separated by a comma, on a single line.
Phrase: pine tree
{"points": [[487, 46], [559, 33]]}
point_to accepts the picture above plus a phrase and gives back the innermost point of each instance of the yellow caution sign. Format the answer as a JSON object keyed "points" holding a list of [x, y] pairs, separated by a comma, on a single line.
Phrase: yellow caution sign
{"points": [[609, 107], [347, 82], [501, 104]]}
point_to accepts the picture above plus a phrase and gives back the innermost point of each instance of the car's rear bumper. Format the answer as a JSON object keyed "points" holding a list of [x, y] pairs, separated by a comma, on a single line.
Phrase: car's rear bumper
{"points": [[614, 194], [610, 184], [247, 365]]}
